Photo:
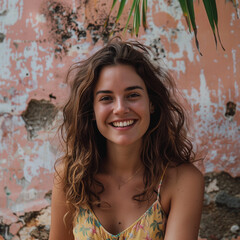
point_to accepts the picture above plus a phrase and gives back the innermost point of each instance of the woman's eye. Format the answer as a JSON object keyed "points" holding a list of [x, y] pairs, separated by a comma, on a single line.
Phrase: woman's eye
{"points": [[105, 98], [133, 95]]}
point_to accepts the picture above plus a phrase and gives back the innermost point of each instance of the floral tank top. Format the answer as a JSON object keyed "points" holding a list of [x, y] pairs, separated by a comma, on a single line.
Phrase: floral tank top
{"points": [[150, 226]]}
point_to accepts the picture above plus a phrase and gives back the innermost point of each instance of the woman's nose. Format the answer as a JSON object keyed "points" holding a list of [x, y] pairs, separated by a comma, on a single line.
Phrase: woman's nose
{"points": [[120, 107]]}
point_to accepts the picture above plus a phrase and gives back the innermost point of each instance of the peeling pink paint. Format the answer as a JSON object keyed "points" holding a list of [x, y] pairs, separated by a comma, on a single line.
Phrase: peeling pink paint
{"points": [[33, 67], [15, 228]]}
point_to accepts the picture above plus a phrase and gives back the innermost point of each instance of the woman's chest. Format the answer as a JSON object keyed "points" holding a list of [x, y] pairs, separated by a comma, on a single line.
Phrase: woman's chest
{"points": [[118, 209], [151, 225]]}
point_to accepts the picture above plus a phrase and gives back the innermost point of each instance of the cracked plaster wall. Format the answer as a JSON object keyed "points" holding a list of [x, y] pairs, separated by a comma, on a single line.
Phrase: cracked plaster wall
{"points": [[39, 40]]}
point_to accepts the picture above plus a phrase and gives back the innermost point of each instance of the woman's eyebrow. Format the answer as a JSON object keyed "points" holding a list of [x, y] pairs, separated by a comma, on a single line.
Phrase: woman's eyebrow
{"points": [[103, 91], [133, 88], [126, 89]]}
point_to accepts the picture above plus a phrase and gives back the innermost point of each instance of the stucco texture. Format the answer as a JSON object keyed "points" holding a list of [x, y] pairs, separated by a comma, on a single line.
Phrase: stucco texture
{"points": [[39, 40]]}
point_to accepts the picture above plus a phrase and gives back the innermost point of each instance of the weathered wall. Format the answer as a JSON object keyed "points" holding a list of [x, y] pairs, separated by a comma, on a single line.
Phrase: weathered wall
{"points": [[38, 42]]}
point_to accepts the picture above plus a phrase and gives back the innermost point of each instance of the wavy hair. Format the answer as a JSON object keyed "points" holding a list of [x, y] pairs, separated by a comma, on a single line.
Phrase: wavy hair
{"points": [[85, 148]]}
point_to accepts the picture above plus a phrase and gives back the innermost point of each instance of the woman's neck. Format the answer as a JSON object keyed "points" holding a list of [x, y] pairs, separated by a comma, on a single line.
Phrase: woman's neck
{"points": [[123, 160]]}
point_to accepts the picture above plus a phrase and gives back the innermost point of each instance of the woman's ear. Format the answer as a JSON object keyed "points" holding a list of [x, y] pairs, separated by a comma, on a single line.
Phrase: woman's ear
{"points": [[152, 109]]}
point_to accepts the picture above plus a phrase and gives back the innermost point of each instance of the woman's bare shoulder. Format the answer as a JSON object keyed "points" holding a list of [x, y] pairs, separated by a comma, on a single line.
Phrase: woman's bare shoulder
{"points": [[185, 176], [184, 172]]}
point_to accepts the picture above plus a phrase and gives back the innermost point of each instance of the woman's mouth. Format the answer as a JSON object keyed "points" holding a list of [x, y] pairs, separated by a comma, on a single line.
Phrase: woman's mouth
{"points": [[123, 124]]}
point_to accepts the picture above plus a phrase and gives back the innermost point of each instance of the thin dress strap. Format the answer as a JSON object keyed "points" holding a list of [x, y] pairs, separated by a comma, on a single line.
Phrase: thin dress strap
{"points": [[160, 184]]}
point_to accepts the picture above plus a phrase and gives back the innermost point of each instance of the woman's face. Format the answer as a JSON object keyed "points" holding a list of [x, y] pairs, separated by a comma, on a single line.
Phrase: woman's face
{"points": [[121, 105]]}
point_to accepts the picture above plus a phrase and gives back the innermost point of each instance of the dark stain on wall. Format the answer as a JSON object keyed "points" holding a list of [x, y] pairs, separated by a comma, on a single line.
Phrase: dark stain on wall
{"points": [[48, 196], [64, 26], [62, 21], [38, 115], [221, 211], [40, 232], [29, 216], [4, 231], [51, 96], [99, 31], [2, 36], [3, 13], [158, 49], [230, 109]]}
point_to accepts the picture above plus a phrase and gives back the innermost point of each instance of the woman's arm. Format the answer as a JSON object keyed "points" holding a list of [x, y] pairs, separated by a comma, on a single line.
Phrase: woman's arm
{"points": [[186, 204], [59, 230]]}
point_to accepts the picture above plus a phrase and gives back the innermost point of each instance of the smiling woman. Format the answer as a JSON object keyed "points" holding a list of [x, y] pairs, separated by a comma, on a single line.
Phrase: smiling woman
{"points": [[121, 105], [126, 171]]}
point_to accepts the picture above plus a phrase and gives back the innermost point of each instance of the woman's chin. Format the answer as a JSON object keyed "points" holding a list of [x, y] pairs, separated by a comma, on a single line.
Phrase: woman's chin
{"points": [[123, 142]]}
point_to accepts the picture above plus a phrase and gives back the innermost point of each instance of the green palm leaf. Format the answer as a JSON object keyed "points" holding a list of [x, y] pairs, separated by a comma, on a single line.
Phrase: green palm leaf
{"points": [[183, 4], [188, 12], [136, 18], [106, 22], [192, 19], [113, 4], [130, 14], [144, 12], [120, 10], [211, 10]]}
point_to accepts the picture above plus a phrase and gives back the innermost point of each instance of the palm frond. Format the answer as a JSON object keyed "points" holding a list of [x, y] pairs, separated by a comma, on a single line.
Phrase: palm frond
{"points": [[187, 7], [211, 10]]}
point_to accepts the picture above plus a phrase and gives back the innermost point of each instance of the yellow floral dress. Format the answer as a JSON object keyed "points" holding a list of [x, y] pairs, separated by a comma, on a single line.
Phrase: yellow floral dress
{"points": [[150, 226]]}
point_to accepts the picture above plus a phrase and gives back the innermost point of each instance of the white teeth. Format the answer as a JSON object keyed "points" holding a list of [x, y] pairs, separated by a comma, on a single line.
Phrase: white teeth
{"points": [[123, 124]]}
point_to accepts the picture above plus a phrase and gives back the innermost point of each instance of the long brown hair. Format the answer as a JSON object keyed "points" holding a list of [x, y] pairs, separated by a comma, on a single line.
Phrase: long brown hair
{"points": [[85, 148]]}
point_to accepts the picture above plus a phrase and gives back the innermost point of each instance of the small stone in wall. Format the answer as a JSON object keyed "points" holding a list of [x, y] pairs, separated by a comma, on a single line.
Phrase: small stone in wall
{"points": [[207, 199], [234, 228], [40, 232], [212, 186], [14, 228], [228, 200]]}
